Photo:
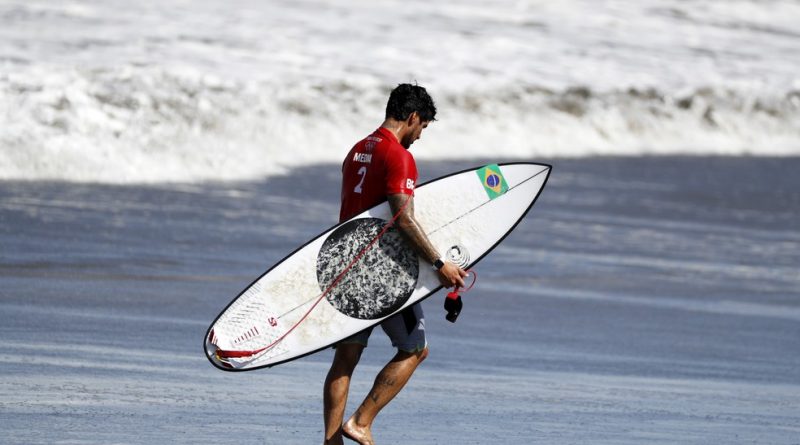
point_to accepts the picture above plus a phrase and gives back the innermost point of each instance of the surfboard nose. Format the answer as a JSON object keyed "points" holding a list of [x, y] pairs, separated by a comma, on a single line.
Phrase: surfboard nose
{"points": [[516, 174]]}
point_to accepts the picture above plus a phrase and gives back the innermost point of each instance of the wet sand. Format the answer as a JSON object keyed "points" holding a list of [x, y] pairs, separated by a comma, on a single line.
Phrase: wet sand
{"points": [[643, 300]]}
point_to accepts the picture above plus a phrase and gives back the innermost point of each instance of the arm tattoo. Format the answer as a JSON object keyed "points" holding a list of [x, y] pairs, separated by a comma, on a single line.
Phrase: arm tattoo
{"points": [[410, 228]]}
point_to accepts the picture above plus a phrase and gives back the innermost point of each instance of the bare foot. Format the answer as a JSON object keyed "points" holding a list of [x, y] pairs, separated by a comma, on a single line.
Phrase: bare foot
{"points": [[362, 435]]}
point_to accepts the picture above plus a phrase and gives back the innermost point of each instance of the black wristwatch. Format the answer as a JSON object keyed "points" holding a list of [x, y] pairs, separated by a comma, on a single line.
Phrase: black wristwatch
{"points": [[438, 264]]}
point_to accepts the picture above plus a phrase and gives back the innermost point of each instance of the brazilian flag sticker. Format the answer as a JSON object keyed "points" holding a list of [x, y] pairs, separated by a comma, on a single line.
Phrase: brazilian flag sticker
{"points": [[493, 181]]}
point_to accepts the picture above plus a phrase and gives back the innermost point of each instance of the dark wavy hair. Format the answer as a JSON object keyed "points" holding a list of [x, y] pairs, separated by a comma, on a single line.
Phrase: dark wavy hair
{"points": [[406, 99]]}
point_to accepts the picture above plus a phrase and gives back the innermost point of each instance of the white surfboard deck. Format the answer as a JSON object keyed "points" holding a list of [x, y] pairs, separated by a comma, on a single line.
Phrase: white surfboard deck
{"points": [[294, 309]]}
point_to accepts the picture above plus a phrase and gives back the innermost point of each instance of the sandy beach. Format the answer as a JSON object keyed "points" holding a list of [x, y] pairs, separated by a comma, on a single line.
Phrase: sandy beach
{"points": [[643, 300]]}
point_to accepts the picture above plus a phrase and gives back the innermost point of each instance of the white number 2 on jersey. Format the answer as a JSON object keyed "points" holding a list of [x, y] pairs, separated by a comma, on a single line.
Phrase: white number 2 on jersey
{"points": [[363, 172]]}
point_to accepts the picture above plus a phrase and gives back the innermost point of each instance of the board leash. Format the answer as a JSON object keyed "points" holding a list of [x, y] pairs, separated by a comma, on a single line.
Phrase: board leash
{"points": [[227, 354]]}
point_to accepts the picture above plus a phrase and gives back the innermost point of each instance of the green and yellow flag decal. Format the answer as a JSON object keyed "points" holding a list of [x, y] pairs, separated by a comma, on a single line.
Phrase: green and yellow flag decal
{"points": [[493, 181]]}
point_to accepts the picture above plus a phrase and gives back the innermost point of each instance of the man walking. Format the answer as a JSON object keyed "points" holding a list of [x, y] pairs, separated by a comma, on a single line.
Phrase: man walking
{"points": [[380, 168]]}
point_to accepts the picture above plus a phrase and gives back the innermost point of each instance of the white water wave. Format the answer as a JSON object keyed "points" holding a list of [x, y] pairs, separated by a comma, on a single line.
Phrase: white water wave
{"points": [[151, 125], [159, 91]]}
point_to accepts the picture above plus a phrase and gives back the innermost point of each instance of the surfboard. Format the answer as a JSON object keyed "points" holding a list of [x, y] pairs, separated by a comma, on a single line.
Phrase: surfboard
{"points": [[360, 272]]}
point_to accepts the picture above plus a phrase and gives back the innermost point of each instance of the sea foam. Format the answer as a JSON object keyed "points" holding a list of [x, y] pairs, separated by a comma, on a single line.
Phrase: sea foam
{"points": [[138, 94]]}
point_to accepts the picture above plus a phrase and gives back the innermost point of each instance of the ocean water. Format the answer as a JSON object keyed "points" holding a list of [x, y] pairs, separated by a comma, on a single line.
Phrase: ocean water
{"points": [[175, 91], [643, 300], [156, 157]]}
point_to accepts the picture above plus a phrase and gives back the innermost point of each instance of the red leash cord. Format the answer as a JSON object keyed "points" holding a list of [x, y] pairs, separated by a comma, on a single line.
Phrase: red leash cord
{"points": [[455, 293], [223, 354]]}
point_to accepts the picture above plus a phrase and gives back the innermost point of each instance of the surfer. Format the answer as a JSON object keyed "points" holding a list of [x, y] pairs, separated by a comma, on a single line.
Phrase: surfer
{"points": [[380, 168]]}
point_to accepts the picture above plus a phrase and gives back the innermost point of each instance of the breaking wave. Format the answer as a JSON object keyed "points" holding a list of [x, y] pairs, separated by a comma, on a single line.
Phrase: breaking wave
{"points": [[143, 125]]}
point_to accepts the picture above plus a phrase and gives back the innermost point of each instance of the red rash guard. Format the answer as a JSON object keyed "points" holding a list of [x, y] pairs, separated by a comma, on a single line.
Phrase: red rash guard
{"points": [[376, 167]]}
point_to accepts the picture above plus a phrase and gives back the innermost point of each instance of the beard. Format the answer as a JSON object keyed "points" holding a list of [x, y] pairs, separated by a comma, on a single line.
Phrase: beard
{"points": [[406, 141]]}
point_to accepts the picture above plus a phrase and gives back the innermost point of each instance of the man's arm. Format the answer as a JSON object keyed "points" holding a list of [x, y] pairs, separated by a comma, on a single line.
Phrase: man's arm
{"points": [[450, 274]]}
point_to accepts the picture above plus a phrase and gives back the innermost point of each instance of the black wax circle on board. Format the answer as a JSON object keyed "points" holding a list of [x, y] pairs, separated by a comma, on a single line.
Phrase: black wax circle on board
{"points": [[380, 282]]}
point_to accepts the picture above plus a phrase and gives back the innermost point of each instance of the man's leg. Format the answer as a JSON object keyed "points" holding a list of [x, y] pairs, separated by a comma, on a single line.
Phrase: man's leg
{"points": [[387, 384], [337, 385]]}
